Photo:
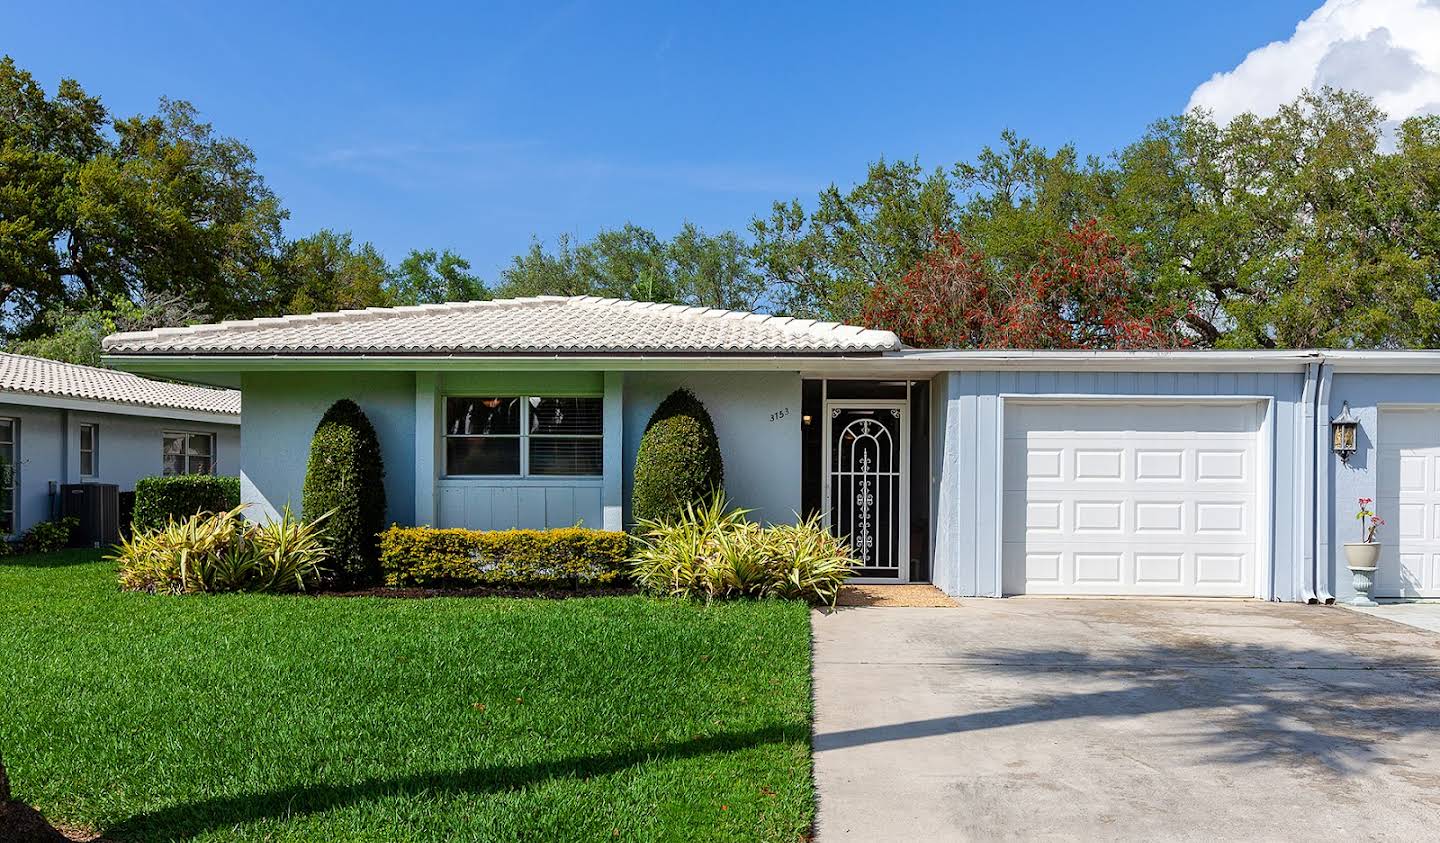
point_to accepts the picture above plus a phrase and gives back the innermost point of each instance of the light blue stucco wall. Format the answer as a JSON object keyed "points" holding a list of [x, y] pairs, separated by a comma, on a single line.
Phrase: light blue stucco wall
{"points": [[1357, 479], [281, 411], [967, 432], [757, 419], [129, 449]]}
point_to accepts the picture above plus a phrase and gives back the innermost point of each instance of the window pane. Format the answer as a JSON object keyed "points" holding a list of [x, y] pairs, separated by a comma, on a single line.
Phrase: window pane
{"points": [[200, 444], [174, 464], [200, 465], [482, 415], [174, 445], [87, 463], [482, 455], [7, 431], [565, 416], [87, 437], [565, 456]]}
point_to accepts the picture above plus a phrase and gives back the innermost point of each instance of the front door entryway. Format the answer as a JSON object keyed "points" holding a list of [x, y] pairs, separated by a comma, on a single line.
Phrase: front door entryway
{"points": [[866, 493]]}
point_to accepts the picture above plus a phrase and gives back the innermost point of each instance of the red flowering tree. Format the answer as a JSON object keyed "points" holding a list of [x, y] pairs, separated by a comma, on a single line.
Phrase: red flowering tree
{"points": [[1082, 294]]}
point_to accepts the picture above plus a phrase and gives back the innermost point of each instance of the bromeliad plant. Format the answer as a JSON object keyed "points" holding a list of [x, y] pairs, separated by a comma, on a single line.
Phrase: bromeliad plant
{"points": [[1370, 523], [713, 552], [215, 552]]}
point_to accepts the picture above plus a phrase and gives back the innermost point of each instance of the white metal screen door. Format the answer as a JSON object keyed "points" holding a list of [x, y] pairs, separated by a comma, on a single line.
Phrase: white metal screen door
{"points": [[866, 496]]}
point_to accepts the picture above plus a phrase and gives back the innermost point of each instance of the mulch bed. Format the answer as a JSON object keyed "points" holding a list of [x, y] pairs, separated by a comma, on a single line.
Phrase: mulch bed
{"points": [[19, 823], [910, 595]]}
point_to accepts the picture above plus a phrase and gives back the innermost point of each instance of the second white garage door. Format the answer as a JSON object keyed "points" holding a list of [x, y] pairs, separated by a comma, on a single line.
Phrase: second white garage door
{"points": [[1121, 498], [1409, 501]]}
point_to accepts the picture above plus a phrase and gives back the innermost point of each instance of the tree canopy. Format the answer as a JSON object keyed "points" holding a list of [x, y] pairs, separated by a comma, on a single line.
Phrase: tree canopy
{"points": [[1317, 226]]}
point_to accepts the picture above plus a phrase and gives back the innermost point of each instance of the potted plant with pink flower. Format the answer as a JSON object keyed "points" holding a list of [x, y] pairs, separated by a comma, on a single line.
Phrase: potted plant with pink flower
{"points": [[1363, 557]]}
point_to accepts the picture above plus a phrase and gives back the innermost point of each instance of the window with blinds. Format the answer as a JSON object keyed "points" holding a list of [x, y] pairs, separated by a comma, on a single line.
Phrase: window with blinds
{"points": [[523, 436]]}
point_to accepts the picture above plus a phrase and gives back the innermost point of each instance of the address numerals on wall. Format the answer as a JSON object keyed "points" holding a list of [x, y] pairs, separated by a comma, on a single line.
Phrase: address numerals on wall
{"points": [[784, 412]]}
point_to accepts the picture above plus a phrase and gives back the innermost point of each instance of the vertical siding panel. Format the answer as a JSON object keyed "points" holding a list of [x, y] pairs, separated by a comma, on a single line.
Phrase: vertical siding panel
{"points": [[988, 447], [532, 509], [505, 508], [477, 508], [588, 507], [452, 508], [559, 506], [964, 461]]}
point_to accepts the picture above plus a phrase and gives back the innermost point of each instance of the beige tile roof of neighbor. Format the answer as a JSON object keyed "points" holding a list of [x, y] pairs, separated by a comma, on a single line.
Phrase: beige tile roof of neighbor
{"points": [[539, 325], [38, 376]]}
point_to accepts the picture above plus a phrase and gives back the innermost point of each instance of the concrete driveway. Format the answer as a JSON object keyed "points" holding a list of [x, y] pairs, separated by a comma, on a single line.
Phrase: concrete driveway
{"points": [[1032, 718]]}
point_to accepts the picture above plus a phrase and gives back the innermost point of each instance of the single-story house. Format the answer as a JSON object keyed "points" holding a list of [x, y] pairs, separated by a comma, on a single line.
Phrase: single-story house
{"points": [[1191, 473], [62, 423]]}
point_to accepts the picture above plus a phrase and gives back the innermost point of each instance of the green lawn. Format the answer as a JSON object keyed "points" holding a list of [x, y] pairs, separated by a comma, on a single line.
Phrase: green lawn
{"points": [[303, 718]]}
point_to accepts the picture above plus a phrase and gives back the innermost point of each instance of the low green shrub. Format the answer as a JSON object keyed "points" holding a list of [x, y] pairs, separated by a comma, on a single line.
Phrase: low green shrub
{"points": [[213, 552], [431, 558], [159, 500], [50, 536], [678, 461], [714, 552]]}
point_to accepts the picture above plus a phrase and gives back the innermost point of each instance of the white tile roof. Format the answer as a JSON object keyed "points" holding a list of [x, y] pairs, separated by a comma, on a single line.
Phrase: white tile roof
{"points": [[38, 376], [543, 324]]}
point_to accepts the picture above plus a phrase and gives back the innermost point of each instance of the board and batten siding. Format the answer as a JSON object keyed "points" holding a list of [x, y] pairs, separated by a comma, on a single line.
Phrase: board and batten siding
{"points": [[967, 441], [1370, 396]]}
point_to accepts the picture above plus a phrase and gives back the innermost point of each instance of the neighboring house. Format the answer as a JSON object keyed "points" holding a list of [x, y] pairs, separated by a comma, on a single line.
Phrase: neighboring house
{"points": [[63, 423], [986, 472]]}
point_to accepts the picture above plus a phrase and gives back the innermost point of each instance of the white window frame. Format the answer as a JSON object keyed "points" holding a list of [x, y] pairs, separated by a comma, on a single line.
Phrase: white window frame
{"points": [[524, 436], [214, 458], [94, 450]]}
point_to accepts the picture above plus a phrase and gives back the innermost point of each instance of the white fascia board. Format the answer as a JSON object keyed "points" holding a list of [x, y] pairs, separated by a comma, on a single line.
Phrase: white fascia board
{"points": [[224, 369], [1195, 360], [1419, 361], [89, 405]]}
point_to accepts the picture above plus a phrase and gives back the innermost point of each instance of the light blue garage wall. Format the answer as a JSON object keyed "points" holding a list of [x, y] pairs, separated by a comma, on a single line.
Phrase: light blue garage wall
{"points": [[1357, 479], [967, 424], [757, 419], [281, 411], [129, 449]]}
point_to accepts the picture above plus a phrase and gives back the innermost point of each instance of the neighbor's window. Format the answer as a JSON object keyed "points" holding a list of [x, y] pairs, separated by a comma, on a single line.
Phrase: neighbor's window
{"points": [[523, 436], [189, 453], [89, 450], [8, 430]]}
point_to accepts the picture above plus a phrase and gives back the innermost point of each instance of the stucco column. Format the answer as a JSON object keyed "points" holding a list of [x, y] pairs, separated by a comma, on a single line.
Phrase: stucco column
{"points": [[425, 421], [612, 492]]}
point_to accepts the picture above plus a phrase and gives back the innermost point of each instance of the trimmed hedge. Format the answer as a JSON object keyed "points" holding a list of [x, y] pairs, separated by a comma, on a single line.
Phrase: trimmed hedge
{"points": [[345, 476], [678, 463], [160, 499], [432, 558]]}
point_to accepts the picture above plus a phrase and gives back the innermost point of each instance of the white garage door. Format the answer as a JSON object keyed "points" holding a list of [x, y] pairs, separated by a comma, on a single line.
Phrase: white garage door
{"points": [[1409, 500], [1131, 499]]}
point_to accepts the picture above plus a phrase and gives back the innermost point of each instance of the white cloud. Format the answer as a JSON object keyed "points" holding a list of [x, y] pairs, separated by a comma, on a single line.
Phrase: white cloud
{"points": [[1388, 49]]}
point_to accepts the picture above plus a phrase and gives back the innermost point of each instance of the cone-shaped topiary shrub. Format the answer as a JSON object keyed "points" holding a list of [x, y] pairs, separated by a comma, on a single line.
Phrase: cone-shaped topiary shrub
{"points": [[679, 460], [345, 474]]}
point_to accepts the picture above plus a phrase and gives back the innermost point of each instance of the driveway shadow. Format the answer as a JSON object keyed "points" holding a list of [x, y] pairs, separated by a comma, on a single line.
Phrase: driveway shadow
{"points": [[1252, 703]]}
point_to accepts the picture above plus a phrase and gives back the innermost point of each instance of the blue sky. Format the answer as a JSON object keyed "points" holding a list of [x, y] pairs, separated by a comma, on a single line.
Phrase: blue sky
{"points": [[475, 126]]}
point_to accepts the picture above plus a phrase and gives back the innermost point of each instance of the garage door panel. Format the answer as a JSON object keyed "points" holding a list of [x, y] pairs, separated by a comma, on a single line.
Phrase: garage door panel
{"points": [[1159, 465], [1408, 497], [1130, 499], [1160, 518]]}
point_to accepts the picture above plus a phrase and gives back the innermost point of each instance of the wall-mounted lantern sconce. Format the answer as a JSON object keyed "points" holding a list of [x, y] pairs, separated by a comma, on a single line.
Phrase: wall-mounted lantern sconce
{"points": [[1342, 433]]}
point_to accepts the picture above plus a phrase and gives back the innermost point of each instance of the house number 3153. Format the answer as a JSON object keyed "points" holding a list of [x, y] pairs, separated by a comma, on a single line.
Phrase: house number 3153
{"points": [[779, 414]]}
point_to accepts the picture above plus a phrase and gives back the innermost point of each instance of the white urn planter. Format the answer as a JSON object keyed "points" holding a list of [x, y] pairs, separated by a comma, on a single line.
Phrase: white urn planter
{"points": [[1362, 558]]}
